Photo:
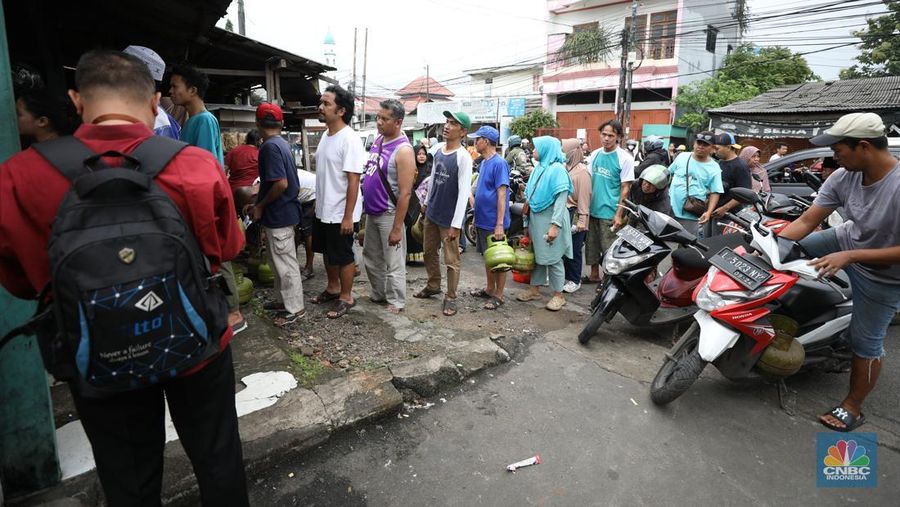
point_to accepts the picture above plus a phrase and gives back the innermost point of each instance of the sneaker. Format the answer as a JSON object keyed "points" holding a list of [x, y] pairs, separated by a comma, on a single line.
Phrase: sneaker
{"points": [[571, 287]]}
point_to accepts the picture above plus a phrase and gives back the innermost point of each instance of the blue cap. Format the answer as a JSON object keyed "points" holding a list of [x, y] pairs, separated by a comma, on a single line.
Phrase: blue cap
{"points": [[487, 132]]}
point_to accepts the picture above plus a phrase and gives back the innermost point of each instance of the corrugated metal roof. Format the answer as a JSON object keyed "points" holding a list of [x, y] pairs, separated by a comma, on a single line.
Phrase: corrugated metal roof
{"points": [[844, 95]]}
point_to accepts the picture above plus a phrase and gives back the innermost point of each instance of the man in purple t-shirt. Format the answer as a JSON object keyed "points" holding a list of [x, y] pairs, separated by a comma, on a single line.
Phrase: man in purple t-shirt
{"points": [[386, 187]]}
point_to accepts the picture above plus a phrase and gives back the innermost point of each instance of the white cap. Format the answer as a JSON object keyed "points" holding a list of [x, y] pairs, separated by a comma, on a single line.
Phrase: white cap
{"points": [[853, 125], [152, 60]]}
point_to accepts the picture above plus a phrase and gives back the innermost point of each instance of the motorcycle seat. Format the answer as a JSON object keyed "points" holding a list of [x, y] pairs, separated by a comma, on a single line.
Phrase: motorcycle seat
{"points": [[692, 259]]}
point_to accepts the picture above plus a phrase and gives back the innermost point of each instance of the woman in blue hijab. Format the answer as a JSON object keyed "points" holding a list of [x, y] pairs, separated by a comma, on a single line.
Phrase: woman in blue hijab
{"points": [[548, 220]]}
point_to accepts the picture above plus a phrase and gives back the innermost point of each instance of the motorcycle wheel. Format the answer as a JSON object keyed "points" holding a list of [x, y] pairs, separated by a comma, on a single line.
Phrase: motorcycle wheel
{"points": [[469, 229], [681, 369], [593, 324]]}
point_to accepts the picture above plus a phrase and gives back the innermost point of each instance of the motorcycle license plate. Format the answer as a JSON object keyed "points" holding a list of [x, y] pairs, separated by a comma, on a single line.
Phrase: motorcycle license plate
{"points": [[744, 270], [635, 238]]}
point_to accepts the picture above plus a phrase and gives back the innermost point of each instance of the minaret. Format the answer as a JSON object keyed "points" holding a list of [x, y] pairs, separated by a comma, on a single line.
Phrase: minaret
{"points": [[328, 51]]}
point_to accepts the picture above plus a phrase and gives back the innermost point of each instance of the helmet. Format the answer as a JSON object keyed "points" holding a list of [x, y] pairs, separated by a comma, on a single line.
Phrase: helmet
{"points": [[514, 141], [652, 143], [656, 175], [631, 143]]}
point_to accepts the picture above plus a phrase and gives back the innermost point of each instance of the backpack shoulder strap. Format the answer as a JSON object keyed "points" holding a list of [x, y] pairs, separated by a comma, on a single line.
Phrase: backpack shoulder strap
{"points": [[156, 152], [66, 154]]}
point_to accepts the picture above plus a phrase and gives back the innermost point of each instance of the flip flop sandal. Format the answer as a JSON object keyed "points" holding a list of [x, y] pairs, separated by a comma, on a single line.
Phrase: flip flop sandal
{"points": [[307, 274], [340, 310], [844, 415], [284, 318], [239, 326], [426, 293], [393, 309], [480, 293], [587, 279], [449, 308], [493, 304], [379, 302], [324, 297]]}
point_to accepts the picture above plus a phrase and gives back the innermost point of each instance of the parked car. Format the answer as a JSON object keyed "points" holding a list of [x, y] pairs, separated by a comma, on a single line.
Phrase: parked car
{"points": [[786, 175]]}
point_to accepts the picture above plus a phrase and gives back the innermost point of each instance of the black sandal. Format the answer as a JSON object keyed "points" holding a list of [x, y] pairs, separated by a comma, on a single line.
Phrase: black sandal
{"points": [[850, 421], [480, 293], [324, 297], [340, 310], [449, 307]]}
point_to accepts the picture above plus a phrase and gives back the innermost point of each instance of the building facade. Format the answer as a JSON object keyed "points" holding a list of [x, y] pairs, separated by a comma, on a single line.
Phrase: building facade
{"points": [[675, 42]]}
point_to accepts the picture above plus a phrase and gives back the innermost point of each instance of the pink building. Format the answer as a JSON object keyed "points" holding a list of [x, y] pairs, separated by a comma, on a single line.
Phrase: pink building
{"points": [[676, 42]]}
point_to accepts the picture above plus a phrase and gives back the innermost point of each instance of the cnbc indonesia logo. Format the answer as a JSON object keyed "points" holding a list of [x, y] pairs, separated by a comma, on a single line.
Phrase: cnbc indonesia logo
{"points": [[845, 462]]}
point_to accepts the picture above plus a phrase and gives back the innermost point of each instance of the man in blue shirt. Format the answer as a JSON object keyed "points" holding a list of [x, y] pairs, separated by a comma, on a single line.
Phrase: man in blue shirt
{"points": [[187, 88], [698, 175], [491, 208], [278, 210], [612, 171]]}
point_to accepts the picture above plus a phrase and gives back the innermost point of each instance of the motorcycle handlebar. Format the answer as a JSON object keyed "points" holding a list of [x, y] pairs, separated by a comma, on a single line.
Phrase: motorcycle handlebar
{"points": [[840, 283]]}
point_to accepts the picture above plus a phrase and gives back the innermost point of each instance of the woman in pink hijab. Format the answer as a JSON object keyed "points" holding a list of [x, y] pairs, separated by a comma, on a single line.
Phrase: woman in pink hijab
{"points": [[750, 154]]}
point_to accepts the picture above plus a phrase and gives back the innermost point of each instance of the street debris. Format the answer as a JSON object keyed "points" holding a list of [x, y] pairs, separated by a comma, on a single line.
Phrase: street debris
{"points": [[632, 401], [443, 400], [535, 460], [291, 475]]}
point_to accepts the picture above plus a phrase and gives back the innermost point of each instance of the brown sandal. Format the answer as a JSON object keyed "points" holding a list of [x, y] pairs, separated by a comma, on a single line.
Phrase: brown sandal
{"points": [[426, 293], [340, 309]]}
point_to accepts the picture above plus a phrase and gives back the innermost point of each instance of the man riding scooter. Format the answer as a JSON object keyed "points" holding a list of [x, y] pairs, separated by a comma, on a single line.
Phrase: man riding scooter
{"points": [[866, 246]]}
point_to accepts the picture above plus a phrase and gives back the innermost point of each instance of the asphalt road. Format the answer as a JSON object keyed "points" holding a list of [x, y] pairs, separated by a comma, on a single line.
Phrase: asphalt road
{"points": [[586, 411]]}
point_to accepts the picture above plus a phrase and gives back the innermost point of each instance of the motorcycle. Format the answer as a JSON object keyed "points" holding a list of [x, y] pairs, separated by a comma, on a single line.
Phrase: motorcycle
{"points": [[631, 286], [759, 316]]}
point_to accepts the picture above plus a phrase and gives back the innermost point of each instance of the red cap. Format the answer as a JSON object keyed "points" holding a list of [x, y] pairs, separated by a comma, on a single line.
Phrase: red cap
{"points": [[270, 111]]}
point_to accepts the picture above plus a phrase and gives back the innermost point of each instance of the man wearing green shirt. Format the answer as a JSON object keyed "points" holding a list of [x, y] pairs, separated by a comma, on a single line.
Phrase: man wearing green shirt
{"points": [[187, 88]]}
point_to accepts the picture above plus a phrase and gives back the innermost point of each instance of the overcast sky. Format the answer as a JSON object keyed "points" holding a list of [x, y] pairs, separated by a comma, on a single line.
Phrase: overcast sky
{"points": [[406, 36]]}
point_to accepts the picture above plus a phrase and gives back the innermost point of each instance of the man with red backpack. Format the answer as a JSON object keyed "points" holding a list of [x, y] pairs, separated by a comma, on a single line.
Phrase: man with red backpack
{"points": [[131, 298]]}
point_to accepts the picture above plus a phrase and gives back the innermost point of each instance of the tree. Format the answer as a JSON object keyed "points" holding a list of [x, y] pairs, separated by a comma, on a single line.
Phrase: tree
{"points": [[527, 125], [745, 73], [229, 26], [587, 46], [880, 55]]}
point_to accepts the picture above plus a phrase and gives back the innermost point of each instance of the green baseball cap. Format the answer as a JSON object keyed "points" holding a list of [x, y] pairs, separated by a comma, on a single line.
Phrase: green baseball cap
{"points": [[461, 117]]}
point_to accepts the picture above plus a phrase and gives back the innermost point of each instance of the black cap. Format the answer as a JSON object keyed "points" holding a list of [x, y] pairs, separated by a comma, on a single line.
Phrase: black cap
{"points": [[706, 137]]}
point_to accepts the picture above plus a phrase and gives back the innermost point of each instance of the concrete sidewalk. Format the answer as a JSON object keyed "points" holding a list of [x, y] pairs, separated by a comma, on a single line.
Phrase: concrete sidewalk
{"points": [[417, 355]]}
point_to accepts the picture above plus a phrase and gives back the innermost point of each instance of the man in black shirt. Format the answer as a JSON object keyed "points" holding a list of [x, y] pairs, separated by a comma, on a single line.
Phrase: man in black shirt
{"points": [[735, 172]]}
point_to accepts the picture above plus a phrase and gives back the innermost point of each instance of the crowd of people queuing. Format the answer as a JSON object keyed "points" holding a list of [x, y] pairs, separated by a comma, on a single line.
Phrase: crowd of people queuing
{"points": [[414, 199]]}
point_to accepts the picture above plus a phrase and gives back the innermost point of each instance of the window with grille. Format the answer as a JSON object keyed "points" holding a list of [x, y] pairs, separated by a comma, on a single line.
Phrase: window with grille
{"points": [[640, 34], [662, 35]]}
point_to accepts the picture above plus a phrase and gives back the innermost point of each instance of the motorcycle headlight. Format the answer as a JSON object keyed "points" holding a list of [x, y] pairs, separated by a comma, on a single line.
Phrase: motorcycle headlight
{"points": [[709, 300], [613, 265]]}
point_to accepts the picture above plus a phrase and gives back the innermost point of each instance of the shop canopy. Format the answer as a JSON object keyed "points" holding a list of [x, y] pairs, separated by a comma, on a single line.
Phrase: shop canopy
{"points": [[804, 110], [50, 35]]}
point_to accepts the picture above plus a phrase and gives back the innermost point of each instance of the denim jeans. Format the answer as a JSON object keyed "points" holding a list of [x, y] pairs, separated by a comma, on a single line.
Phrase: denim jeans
{"points": [[574, 265], [874, 303]]}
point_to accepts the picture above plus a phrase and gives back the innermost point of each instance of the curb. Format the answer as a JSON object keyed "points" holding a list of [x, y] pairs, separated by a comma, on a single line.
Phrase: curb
{"points": [[305, 418]]}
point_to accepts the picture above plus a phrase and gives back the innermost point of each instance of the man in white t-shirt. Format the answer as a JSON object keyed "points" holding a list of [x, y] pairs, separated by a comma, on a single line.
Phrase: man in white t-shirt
{"points": [[307, 198], [340, 160], [781, 150]]}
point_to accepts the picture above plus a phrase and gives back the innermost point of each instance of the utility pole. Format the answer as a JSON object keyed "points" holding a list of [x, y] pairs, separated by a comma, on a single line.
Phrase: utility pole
{"points": [[241, 26], [353, 83], [623, 63], [631, 57], [427, 83], [365, 61]]}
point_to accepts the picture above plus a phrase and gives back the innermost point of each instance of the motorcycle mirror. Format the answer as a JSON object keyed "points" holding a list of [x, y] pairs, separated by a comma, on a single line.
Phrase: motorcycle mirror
{"points": [[745, 196], [757, 177], [813, 181]]}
